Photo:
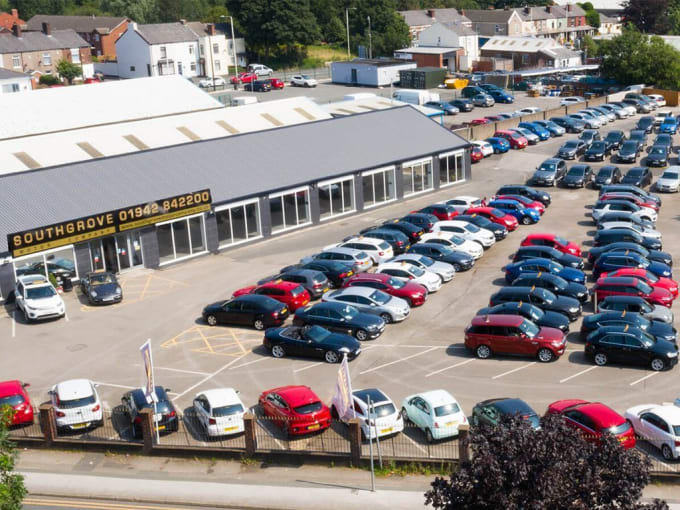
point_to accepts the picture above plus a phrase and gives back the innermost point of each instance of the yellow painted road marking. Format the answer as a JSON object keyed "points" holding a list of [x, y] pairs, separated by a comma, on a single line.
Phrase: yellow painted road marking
{"points": [[221, 341], [65, 503]]}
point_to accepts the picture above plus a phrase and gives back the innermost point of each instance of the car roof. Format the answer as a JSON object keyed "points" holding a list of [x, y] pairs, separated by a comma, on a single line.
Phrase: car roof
{"points": [[436, 397], [8, 388], [468, 198], [603, 416], [346, 251], [73, 388], [375, 276], [541, 235], [355, 291], [140, 398], [624, 299], [296, 395], [396, 265], [376, 395], [33, 280], [259, 299], [670, 413], [512, 405], [281, 284], [617, 280], [219, 397], [498, 320], [365, 238]]}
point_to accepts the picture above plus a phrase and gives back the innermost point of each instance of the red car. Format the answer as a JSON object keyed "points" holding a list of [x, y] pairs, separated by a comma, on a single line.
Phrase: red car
{"points": [[648, 277], [276, 83], [443, 212], [593, 419], [479, 122], [629, 198], [515, 140], [508, 221], [630, 286], [296, 409], [244, 78], [513, 334], [476, 155], [414, 293], [554, 241], [494, 118], [13, 394], [526, 202], [292, 294]]}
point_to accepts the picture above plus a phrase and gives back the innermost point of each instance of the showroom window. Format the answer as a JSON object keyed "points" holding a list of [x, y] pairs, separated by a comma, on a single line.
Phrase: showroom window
{"points": [[181, 239], [451, 169], [61, 262], [378, 186], [336, 197], [237, 223], [417, 176], [289, 209]]}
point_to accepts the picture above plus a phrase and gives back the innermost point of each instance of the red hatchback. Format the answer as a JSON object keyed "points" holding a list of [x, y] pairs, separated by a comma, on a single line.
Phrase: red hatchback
{"points": [[630, 286], [479, 122], [414, 293], [476, 155], [244, 78], [292, 294], [513, 334], [296, 409], [594, 419], [646, 276], [443, 212], [554, 241], [276, 83], [515, 140], [13, 394], [499, 217]]}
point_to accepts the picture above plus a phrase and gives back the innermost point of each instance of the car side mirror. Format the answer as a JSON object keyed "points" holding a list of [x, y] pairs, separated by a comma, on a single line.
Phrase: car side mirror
{"points": [[167, 390], [25, 385]]}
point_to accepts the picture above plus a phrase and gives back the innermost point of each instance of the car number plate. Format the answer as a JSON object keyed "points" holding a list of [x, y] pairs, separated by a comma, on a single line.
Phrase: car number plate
{"points": [[350, 273], [325, 289], [314, 426], [452, 423], [161, 427], [110, 298], [229, 429], [386, 431], [79, 426], [284, 310]]}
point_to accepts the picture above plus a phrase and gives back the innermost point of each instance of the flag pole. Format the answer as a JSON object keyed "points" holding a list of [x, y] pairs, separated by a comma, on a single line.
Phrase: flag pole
{"points": [[370, 446]]}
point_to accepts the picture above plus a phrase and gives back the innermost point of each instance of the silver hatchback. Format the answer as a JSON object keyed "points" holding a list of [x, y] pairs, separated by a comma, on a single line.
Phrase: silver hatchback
{"points": [[373, 301]]}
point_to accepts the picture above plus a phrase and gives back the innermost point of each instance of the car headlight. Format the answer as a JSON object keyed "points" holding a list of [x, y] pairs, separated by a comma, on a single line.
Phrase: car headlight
{"points": [[573, 309], [118, 290], [343, 349], [93, 293], [372, 327], [672, 354], [556, 343]]}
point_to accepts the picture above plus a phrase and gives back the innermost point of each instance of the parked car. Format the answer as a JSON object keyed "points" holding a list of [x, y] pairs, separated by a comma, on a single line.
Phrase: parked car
{"points": [[658, 329], [625, 285], [645, 124], [501, 97], [471, 91], [664, 140], [312, 342], [660, 101], [377, 249], [669, 181], [611, 261], [554, 283], [256, 310], [525, 215], [630, 345], [532, 252], [314, 282], [297, 410], [516, 140], [614, 139], [359, 260], [443, 212], [542, 298], [484, 100], [437, 413], [459, 261], [499, 145], [463, 105], [14, 394], [276, 83], [486, 148], [531, 137], [411, 231], [538, 130], [476, 154], [553, 241], [464, 202], [553, 128], [291, 294], [590, 121], [37, 299], [372, 301], [260, 86], [413, 293], [341, 318], [579, 176], [378, 416], [479, 122], [537, 265], [445, 271], [499, 231], [243, 78], [212, 82], [636, 304], [567, 101], [629, 188], [669, 126], [101, 288], [260, 69], [639, 136], [526, 202], [589, 136], [628, 152], [527, 191], [489, 412], [638, 176], [405, 272], [495, 215], [657, 156], [335, 271], [572, 149], [607, 174], [468, 231], [602, 208], [615, 235], [659, 425], [165, 415], [598, 150], [569, 124], [398, 240], [630, 247], [444, 106], [530, 312], [303, 80], [219, 411], [423, 220]]}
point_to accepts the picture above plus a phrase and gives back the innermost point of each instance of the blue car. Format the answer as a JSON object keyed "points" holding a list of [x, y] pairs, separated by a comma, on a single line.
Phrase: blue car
{"points": [[608, 262], [499, 144], [523, 214], [500, 96], [669, 125], [541, 132], [541, 265], [553, 128]]}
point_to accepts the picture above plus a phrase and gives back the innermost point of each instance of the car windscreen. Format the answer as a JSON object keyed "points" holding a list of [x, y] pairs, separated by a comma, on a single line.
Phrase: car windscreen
{"points": [[629, 146], [384, 245], [619, 429], [446, 409], [101, 279], [642, 286], [297, 291], [658, 150], [382, 410], [472, 228], [40, 292], [318, 334], [380, 297], [349, 312], [598, 146], [397, 284], [605, 172], [497, 213], [529, 329], [416, 271], [76, 402], [230, 410], [634, 172], [576, 171], [308, 408], [11, 400], [572, 144]]}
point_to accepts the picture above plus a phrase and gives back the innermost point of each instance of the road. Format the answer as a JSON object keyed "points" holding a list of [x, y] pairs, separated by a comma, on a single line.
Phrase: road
{"points": [[49, 503]]}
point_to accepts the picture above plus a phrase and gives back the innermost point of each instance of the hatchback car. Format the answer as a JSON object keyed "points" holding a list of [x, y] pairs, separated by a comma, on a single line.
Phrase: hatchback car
{"points": [[578, 176], [549, 172], [645, 124], [411, 231], [669, 125], [296, 410], [546, 252], [501, 97], [484, 100], [248, 310], [542, 298], [630, 345], [341, 318], [378, 249], [526, 202], [434, 412], [589, 136], [601, 208], [615, 235], [76, 405], [372, 301], [468, 231], [631, 286], [358, 259], [101, 288], [312, 342], [607, 174], [531, 137], [635, 190], [413, 293], [376, 412], [658, 425], [638, 176], [398, 240], [455, 242], [14, 395], [498, 231], [537, 129], [657, 156], [291, 294], [445, 271], [587, 118], [463, 203], [657, 329], [598, 151], [669, 181], [612, 261], [335, 271], [408, 272], [499, 145], [219, 411], [441, 211], [553, 128], [629, 197], [572, 149], [447, 108], [646, 276], [628, 152], [527, 191], [495, 215], [569, 124], [516, 140], [537, 265], [463, 105], [484, 146], [314, 282], [489, 412], [636, 304], [530, 312], [553, 241], [458, 260], [165, 418], [614, 139], [422, 220], [621, 247]]}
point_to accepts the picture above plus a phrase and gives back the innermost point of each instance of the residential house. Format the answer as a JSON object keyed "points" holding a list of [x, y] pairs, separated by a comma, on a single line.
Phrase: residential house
{"points": [[9, 19], [610, 25], [214, 46], [451, 45], [39, 53], [530, 53], [418, 20], [12, 81], [101, 32], [490, 22]]}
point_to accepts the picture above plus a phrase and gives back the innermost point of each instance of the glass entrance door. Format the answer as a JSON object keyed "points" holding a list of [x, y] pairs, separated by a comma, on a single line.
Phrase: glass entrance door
{"points": [[123, 251], [117, 253]]}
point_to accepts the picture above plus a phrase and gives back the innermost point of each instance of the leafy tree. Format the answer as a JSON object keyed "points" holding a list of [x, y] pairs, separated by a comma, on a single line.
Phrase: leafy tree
{"points": [[49, 79], [593, 18], [142, 11], [4, 6], [12, 490], [649, 16], [29, 8], [590, 46], [586, 6], [514, 467], [216, 14], [334, 31], [69, 70], [389, 31]]}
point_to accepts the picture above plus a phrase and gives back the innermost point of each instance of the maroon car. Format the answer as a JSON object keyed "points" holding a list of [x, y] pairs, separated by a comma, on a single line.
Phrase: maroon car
{"points": [[443, 212], [414, 293]]}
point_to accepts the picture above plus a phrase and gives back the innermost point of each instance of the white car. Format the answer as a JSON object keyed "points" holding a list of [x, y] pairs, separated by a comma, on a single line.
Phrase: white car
{"points": [[434, 412], [669, 181], [368, 300], [632, 111], [529, 110], [484, 146], [445, 271], [643, 231], [260, 70], [659, 425], [76, 405], [379, 250], [455, 242], [303, 80], [659, 117], [37, 298], [210, 82], [376, 412], [219, 411], [358, 259], [408, 272], [590, 121], [463, 203], [660, 100], [468, 231], [644, 213], [566, 101]]}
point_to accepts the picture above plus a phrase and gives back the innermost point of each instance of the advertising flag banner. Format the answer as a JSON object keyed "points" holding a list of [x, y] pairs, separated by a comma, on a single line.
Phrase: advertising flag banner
{"points": [[145, 349], [342, 400]]}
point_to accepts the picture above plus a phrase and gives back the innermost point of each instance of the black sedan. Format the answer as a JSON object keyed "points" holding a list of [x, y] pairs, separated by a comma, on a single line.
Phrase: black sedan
{"points": [[638, 176], [632, 346], [578, 176], [572, 149], [314, 342], [499, 231], [464, 105], [413, 232], [657, 156], [101, 288], [342, 319], [614, 139], [546, 252], [555, 284], [539, 317], [166, 416], [542, 298], [657, 329], [248, 310], [597, 151], [628, 152], [460, 261], [608, 174], [335, 271], [422, 220], [622, 246], [645, 124], [489, 412]]}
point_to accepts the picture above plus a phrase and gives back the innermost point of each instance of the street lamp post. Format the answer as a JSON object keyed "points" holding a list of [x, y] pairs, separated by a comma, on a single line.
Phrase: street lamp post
{"points": [[212, 62], [370, 40], [233, 43], [347, 24]]}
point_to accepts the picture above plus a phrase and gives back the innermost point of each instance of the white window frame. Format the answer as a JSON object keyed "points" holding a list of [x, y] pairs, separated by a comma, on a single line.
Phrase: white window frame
{"points": [[241, 203], [163, 52], [420, 162], [442, 158], [75, 55], [309, 213], [381, 170], [172, 234], [46, 59], [47, 252], [328, 182], [16, 61]]}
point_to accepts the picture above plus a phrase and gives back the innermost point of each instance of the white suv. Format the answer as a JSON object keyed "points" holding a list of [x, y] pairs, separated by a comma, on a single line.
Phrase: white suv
{"points": [[76, 405], [37, 298], [405, 272], [260, 70], [302, 80], [466, 230], [379, 250]]}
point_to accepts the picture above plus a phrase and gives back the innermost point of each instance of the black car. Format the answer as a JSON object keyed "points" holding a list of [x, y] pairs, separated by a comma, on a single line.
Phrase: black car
{"points": [[460, 261], [413, 232], [62, 269], [614, 139], [572, 149], [464, 105], [260, 86], [645, 124], [314, 342], [133, 403], [589, 136], [248, 310], [629, 188], [569, 124], [489, 412], [335, 271], [636, 304], [608, 174], [638, 176], [597, 151], [617, 235], [611, 261], [101, 288], [528, 311], [547, 252], [396, 239], [664, 139], [315, 282], [499, 231], [422, 220], [578, 176], [631, 346], [658, 329], [639, 136], [542, 298], [657, 156], [555, 284], [341, 318], [628, 152], [526, 191], [624, 246]]}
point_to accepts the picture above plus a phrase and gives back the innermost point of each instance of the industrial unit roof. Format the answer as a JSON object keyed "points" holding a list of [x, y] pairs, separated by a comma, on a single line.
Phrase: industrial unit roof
{"points": [[374, 62], [234, 167], [519, 44]]}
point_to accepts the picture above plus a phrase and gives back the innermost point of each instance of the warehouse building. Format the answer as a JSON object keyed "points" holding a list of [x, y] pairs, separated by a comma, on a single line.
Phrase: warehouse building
{"points": [[369, 72], [157, 207]]}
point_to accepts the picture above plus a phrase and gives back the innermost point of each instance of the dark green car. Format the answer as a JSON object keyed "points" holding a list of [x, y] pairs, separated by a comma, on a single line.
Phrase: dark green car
{"points": [[490, 411]]}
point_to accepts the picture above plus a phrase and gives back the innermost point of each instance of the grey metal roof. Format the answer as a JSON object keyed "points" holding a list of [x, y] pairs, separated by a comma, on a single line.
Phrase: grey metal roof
{"points": [[232, 167], [160, 33], [7, 74], [77, 23], [37, 41], [489, 15], [416, 18]]}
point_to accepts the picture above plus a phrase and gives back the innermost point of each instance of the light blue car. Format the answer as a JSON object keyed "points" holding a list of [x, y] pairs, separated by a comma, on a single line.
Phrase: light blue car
{"points": [[434, 412], [524, 215]]}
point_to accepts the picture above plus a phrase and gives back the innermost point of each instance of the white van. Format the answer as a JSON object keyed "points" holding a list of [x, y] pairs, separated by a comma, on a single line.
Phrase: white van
{"points": [[243, 100], [260, 70], [419, 97]]}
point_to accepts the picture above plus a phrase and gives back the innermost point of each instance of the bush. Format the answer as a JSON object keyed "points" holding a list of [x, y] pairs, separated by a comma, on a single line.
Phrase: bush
{"points": [[49, 79]]}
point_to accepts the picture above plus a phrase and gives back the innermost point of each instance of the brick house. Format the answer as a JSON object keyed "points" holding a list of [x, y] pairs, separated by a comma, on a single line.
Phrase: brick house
{"points": [[531, 52], [419, 19], [9, 19], [490, 22], [101, 32]]}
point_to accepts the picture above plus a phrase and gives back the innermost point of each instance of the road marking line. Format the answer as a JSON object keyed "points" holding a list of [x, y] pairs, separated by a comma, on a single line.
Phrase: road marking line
{"points": [[248, 363], [115, 385], [236, 340], [210, 376], [644, 378], [416, 444], [146, 287], [179, 370], [398, 360], [308, 366], [577, 374], [14, 323], [452, 366], [269, 433], [85, 504], [205, 340], [66, 316], [513, 370]]}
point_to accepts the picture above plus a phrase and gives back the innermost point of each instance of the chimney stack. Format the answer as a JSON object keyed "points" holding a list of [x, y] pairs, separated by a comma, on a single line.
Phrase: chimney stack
{"points": [[16, 30], [527, 10], [569, 7], [430, 13], [15, 13], [211, 28], [46, 29]]}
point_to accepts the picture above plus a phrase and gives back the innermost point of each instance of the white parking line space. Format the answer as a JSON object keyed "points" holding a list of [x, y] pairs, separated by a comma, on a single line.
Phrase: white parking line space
{"points": [[399, 360], [210, 376], [99, 383], [450, 367], [14, 323], [578, 373], [644, 378], [514, 370], [192, 372], [308, 366], [66, 316], [248, 363], [415, 444]]}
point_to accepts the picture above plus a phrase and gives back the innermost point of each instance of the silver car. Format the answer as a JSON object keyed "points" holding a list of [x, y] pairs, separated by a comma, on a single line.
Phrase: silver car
{"points": [[442, 269], [373, 301], [357, 258]]}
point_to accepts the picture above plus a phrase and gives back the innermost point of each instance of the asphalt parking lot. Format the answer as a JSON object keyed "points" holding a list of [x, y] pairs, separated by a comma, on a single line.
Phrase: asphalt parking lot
{"points": [[424, 352]]}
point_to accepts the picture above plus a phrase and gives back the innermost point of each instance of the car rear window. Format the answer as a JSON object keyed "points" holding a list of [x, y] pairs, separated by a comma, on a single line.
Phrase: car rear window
{"points": [[384, 245], [11, 400], [446, 410], [619, 429], [297, 291], [220, 412], [308, 408], [361, 255], [76, 402], [383, 410]]}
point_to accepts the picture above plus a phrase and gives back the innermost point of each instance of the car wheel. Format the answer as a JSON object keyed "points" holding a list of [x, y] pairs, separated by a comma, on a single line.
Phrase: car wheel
{"points": [[386, 317], [361, 335], [483, 352], [331, 357], [27, 319], [258, 324], [600, 359], [404, 415], [657, 364], [278, 351], [456, 268], [526, 220], [545, 356], [211, 320], [667, 452], [428, 436]]}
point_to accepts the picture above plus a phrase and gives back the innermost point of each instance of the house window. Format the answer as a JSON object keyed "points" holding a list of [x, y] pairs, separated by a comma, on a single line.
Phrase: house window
{"points": [[378, 186], [132, 69], [218, 66], [289, 209], [451, 169], [525, 59], [191, 49], [96, 37], [164, 53], [10, 87], [336, 197], [499, 29], [16, 60], [237, 223], [193, 66], [47, 59], [216, 48], [417, 176], [200, 50], [75, 56]]}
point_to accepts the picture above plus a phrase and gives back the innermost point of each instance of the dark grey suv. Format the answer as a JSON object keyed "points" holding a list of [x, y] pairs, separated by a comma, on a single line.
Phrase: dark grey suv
{"points": [[314, 282]]}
